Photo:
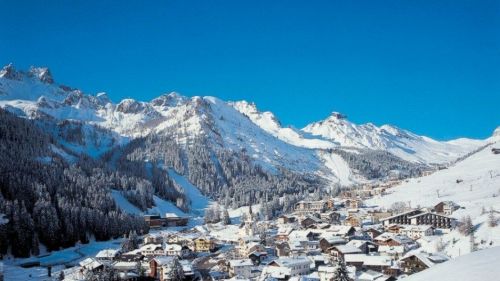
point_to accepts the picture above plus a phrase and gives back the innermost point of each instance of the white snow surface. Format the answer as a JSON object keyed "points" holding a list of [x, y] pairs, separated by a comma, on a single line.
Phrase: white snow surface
{"points": [[480, 265], [199, 202]]}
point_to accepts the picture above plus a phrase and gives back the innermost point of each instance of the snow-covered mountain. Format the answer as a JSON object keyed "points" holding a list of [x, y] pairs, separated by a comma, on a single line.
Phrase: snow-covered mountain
{"points": [[235, 126], [399, 142]]}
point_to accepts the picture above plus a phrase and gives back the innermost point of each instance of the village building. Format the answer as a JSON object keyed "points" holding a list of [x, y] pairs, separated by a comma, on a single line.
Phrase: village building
{"points": [[416, 262], [446, 207], [310, 207], [416, 232], [284, 219], [243, 269], [158, 267], [341, 251], [108, 255], [204, 244], [282, 249], [284, 268], [153, 238], [436, 220], [310, 220], [383, 264]]}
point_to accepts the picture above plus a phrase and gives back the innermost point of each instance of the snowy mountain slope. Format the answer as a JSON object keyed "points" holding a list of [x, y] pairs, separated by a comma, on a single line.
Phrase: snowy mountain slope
{"points": [[480, 265], [234, 126], [473, 183], [401, 143], [268, 122]]}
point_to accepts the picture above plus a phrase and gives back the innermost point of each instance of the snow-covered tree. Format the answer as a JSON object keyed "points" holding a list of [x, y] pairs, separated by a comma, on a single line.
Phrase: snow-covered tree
{"points": [[466, 227], [341, 273], [492, 219]]}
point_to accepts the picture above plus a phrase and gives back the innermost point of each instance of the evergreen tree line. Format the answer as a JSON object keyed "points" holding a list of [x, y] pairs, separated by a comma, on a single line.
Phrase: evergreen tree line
{"points": [[49, 201], [229, 177]]}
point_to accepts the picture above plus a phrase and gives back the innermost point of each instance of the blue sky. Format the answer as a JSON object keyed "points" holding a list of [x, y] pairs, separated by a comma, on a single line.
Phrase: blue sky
{"points": [[432, 67]]}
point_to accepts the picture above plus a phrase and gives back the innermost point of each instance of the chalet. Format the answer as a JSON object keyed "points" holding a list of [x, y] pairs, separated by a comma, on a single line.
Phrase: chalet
{"points": [[158, 267], [392, 239], [108, 255], [242, 269], [153, 238], [326, 273], [372, 275], [126, 267], [282, 249], [383, 264], [327, 242], [446, 208], [174, 250], [392, 251], [309, 220], [284, 268], [204, 244], [372, 232], [341, 230], [91, 264], [283, 233], [416, 262], [343, 250], [257, 256], [353, 203], [365, 246], [331, 217], [284, 219], [353, 220]]}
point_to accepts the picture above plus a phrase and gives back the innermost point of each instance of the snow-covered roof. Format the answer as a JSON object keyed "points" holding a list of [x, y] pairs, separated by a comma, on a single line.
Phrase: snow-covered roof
{"points": [[107, 253], [347, 249], [90, 263], [242, 262], [369, 260]]}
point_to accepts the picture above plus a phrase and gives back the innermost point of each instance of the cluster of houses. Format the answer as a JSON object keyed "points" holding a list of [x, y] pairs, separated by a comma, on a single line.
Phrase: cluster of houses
{"points": [[307, 243]]}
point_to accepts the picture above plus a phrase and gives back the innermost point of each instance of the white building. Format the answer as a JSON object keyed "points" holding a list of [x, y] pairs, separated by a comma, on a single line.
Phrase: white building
{"points": [[241, 268], [283, 268], [416, 232], [107, 255]]}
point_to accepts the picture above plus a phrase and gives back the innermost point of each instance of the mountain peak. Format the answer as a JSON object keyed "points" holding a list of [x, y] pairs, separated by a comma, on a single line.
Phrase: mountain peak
{"points": [[337, 116], [41, 73], [9, 72]]}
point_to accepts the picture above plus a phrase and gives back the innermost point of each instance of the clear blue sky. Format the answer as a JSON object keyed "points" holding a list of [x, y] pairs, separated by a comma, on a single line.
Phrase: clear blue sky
{"points": [[432, 67]]}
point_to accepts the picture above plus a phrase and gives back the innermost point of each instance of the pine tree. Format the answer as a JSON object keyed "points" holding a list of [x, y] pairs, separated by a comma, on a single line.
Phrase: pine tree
{"points": [[492, 219], [226, 220], [466, 226], [341, 273], [174, 271]]}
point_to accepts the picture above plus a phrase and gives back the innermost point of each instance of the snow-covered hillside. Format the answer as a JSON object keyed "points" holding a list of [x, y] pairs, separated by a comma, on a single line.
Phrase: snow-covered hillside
{"points": [[473, 183], [481, 265]]}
